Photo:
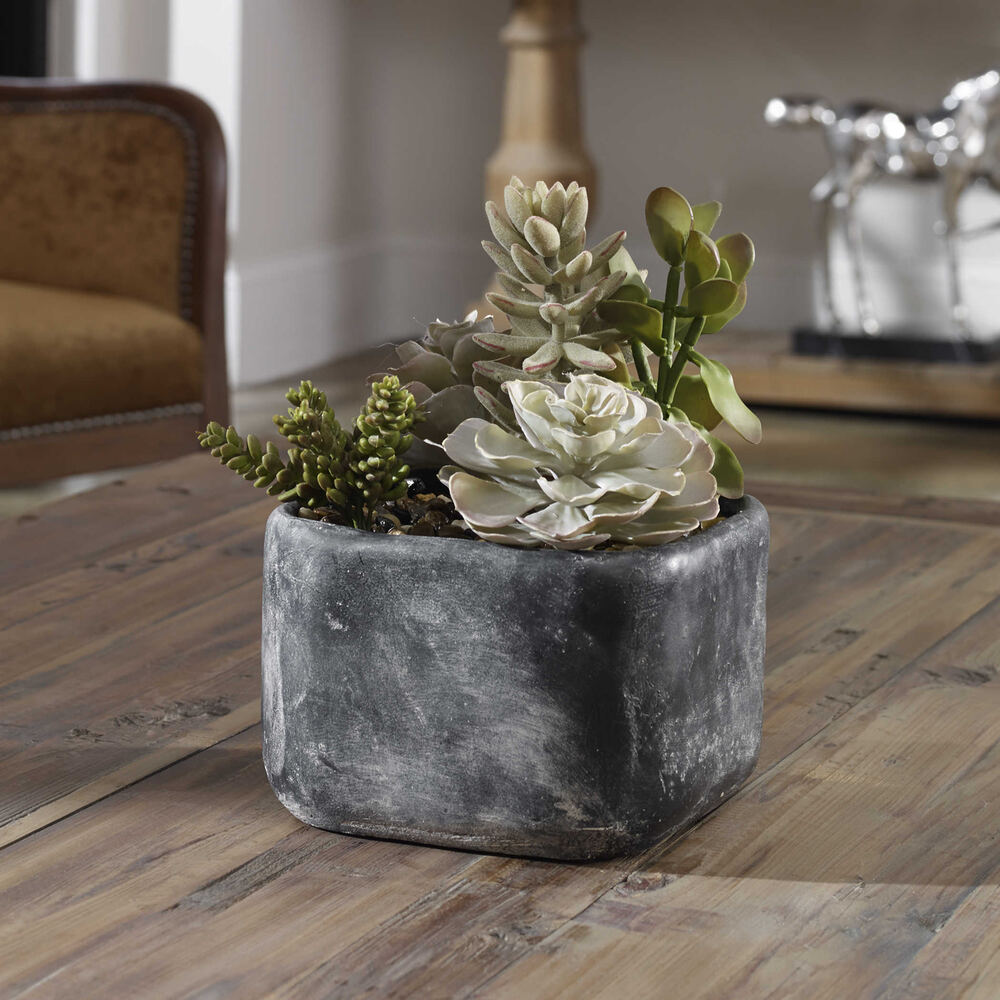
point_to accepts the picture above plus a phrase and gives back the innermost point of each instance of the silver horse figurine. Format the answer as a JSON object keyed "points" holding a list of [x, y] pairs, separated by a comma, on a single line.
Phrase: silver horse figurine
{"points": [[958, 143]]}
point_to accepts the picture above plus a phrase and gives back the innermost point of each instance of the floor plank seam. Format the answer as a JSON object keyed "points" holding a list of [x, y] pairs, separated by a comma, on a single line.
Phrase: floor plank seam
{"points": [[121, 788], [659, 850], [150, 567], [115, 638]]}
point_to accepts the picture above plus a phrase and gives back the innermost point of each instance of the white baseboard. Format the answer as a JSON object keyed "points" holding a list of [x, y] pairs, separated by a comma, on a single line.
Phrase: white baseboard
{"points": [[296, 312], [299, 311], [287, 314]]}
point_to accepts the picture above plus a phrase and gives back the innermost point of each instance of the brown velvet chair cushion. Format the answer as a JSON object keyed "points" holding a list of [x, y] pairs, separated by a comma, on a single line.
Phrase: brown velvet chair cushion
{"points": [[94, 200], [66, 354]]}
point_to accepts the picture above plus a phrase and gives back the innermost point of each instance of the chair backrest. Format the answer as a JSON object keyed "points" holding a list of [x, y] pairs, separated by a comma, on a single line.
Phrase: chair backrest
{"points": [[116, 188]]}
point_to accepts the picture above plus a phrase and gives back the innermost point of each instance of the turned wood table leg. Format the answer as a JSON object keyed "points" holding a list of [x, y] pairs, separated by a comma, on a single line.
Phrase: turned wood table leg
{"points": [[541, 135]]}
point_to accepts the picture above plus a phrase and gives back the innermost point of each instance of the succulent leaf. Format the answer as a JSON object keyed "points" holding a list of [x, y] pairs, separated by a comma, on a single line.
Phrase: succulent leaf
{"points": [[693, 399], [607, 248], [532, 267], [529, 327], [718, 381], [587, 358], [501, 258], [635, 319], [706, 215], [572, 247], [669, 219], [621, 260], [737, 251], [505, 233], [542, 236], [575, 217], [518, 209], [713, 296], [513, 306], [497, 371], [575, 271], [544, 359], [517, 288], [554, 313], [713, 324], [514, 345], [583, 303], [726, 468], [503, 415], [701, 259], [554, 204]]}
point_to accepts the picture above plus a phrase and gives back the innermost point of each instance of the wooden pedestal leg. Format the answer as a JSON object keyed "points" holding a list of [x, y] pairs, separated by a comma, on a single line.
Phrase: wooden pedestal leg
{"points": [[541, 136]]}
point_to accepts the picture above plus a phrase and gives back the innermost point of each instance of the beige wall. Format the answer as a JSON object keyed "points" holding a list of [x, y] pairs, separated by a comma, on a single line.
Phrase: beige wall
{"points": [[363, 126], [691, 107]]}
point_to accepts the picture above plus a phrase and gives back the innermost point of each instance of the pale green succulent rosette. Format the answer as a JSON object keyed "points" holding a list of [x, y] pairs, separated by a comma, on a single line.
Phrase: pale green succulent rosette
{"points": [[592, 462], [438, 370]]}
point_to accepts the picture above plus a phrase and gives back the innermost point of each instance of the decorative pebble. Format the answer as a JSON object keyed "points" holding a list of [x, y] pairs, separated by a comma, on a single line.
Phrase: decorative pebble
{"points": [[422, 481], [436, 518]]}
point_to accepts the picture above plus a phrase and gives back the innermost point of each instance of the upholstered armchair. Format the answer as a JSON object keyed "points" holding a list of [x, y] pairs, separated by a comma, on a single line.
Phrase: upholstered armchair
{"points": [[112, 258]]}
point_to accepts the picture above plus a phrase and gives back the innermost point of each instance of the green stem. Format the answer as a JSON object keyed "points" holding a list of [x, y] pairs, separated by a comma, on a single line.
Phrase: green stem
{"points": [[675, 371], [641, 363], [670, 299]]}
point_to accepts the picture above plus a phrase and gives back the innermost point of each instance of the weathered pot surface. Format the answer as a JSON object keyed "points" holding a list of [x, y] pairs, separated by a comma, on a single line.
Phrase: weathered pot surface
{"points": [[536, 702]]}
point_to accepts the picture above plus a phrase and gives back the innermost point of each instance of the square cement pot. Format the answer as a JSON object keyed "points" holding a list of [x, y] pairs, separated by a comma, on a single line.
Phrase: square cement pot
{"points": [[555, 704]]}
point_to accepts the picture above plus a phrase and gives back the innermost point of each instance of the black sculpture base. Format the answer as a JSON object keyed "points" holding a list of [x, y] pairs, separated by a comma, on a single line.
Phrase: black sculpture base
{"points": [[898, 345]]}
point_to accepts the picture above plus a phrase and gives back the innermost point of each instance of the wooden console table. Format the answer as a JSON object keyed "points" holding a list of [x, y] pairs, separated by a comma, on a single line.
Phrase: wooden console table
{"points": [[143, 854]]}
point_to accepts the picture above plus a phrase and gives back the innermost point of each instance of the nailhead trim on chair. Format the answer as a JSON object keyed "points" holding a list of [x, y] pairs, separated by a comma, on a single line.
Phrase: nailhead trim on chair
{"points": [[108, 420], [192, 171]]}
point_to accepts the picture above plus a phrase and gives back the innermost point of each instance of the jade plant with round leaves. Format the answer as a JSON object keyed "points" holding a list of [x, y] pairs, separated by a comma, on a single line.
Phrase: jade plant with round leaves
{"points": [[714, 274], [591, 462]]}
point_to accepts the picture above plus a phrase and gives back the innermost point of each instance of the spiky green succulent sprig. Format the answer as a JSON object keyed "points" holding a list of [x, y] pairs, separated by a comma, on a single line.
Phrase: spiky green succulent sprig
{"points": [[325, 466], [376, 471]]}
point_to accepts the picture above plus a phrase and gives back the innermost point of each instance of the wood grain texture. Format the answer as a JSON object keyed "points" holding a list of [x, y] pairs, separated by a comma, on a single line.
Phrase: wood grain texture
{"points": [[767, 373], [146, 506], [146, 854]]}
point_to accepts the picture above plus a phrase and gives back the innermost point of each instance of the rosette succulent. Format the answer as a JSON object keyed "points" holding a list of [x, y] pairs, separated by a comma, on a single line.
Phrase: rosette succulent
{"points": [[592, 462], [438, 370]]}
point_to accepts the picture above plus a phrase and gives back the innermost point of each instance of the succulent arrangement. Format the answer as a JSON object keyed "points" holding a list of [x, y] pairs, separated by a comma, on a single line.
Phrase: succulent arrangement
{"points": [[588, 423]]}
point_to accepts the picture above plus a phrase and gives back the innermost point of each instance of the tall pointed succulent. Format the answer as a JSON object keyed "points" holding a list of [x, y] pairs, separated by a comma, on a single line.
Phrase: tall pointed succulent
{"points": [[551, 286]]}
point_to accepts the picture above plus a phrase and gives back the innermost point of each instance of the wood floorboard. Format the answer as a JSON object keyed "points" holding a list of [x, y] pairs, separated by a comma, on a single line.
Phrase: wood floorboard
{"points": [[116, 518], [158, 854], [832, 872]]}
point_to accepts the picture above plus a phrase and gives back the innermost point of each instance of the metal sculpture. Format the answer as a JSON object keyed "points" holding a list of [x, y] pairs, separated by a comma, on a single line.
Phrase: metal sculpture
{"points": [[959, 143]]}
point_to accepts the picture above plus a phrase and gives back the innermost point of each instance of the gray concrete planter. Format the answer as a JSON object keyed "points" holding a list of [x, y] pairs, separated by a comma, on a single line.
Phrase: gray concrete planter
{"points": [[534, 702]]}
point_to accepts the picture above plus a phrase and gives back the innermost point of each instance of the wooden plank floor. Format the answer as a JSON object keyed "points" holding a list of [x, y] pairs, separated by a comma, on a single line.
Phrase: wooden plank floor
{"points": [[143, 853]]}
